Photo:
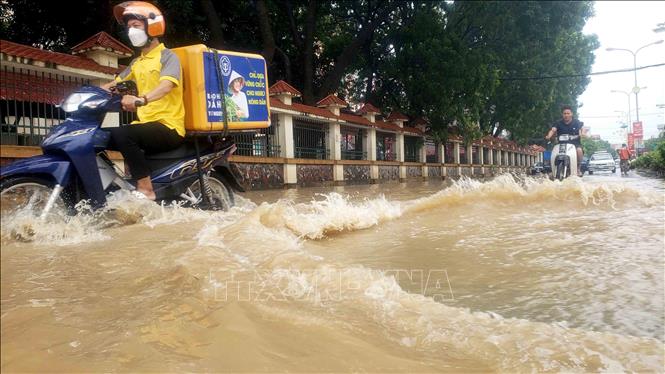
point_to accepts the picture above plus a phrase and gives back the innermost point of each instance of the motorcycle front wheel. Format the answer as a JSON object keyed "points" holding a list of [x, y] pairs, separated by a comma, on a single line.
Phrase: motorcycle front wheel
{"points": [[560, 171], [26, 194], [221, 194]]}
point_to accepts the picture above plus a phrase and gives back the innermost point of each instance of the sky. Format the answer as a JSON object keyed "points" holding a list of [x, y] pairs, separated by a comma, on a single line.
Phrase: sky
{"points": [[628, 25]]}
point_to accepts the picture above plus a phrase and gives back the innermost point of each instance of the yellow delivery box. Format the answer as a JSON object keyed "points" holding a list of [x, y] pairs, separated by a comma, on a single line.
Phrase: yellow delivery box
{"points": [[215, 80]]}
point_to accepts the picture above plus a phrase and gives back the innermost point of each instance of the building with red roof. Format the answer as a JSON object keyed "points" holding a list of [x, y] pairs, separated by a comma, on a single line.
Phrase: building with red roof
{"points": [[342, 142], [38, 75]]}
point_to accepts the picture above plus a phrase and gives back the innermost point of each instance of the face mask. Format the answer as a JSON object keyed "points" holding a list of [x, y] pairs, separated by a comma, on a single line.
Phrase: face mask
{"points": [[138, 37]]}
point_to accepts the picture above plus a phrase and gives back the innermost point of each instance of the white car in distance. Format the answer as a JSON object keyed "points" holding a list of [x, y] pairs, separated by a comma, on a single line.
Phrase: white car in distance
{"points": [[601, 161]]}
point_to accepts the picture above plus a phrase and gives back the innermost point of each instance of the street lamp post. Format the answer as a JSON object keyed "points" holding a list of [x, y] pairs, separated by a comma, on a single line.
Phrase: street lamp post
{"points": [[630, 120], [636, 88]]}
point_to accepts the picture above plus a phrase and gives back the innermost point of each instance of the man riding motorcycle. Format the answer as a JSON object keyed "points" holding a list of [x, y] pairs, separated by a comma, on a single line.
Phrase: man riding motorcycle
{"points": [[624, 157], [158, 74], [571, 126]]}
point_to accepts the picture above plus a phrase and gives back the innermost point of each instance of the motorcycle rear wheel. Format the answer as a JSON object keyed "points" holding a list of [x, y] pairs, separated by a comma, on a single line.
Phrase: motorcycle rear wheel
{"points": [[221, 196], [19, 194]]}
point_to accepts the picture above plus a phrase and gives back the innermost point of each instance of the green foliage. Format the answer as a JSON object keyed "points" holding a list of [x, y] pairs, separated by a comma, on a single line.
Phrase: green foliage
{"points": [[464, 67], [651, 144], [654, 160], [52, 24], [590, 146]]}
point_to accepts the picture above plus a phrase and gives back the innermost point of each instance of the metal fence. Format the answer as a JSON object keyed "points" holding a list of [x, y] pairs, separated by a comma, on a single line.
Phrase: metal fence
{"points": [[29, 109], [385, 147], [463, 157], [310, 139], [486, 155], [475, 155], [28, 103], [412, 149], [431, 152], [449, 153], [127, 117], [260, 143], [352, 143]]}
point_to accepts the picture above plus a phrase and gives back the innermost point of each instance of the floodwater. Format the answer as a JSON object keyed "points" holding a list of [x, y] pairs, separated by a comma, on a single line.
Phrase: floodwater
{"points": [[514, 274]]}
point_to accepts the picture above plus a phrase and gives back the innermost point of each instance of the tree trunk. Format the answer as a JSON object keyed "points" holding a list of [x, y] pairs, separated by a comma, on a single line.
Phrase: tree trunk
{"points": [[369, 89], [308, 54], [297, 38], [287, 64], [331, 83], [214, 24], [266, 31]]}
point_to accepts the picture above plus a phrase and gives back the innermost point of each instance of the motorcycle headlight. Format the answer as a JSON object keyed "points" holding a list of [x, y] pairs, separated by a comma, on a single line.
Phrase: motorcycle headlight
{"points": [[92, 104], [72, 102]]}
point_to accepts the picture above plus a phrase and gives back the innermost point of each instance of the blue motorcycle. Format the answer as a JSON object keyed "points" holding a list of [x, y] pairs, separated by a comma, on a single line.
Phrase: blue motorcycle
{"points": [[74, 165]]}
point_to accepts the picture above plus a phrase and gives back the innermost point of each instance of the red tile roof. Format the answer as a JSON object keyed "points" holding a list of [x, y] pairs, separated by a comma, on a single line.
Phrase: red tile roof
{"points": [[332, 100], [79, 62], [303, 109], [412, 130], [358, 120], [397, 116], [369, 108], [104, 41], [282, 87], [350, 118], [387, 126]]}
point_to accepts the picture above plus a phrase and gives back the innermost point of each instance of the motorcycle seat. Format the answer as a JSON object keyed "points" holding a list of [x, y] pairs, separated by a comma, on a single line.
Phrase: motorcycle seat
{"points": [[186, 150]]}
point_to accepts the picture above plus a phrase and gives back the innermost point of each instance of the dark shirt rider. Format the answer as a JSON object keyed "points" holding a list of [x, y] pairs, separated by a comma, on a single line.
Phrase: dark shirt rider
{"points": [[571, 126]]}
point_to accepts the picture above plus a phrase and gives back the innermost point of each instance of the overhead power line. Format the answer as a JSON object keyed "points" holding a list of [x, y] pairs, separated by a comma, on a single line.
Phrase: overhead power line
{"points": [[622, 115], [580, 75]]}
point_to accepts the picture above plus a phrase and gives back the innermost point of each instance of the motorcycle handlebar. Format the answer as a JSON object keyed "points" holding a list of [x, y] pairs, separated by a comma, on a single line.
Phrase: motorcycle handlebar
{"points": [[125, 88]]}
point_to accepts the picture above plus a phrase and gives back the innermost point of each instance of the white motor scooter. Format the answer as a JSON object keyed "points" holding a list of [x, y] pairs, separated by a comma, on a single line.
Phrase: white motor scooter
{"points": [[564, 157]]}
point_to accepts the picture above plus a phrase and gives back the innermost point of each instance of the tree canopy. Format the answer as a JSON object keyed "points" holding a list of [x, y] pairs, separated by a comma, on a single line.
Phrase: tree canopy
{"points": [[484, 67]]}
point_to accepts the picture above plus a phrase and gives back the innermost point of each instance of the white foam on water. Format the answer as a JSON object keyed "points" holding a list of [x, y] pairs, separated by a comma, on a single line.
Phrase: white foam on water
{"points": [[269, 239], [417, 321], [335, 213], [509, 189], [123, 208]]}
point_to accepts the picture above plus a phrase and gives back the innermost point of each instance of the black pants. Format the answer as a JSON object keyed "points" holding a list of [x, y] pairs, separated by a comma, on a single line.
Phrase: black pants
{"points": [[134, 141]]}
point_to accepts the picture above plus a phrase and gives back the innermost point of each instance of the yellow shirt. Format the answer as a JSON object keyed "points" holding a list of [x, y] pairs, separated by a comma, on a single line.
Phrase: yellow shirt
{"points": [[147, 71]]}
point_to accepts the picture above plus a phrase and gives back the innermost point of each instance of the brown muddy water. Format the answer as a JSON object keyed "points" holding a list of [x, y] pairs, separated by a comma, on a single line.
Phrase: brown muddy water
{"points": [[512, 275]]}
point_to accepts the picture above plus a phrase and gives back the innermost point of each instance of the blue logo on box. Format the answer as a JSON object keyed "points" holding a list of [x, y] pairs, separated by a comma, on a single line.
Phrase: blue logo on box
{"points": [[225, 65], [244, 88]]}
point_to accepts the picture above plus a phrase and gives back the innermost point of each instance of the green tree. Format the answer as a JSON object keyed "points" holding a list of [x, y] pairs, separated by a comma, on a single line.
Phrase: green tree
{"points": [[526, 41], [654, 160], [591, 146], [652, 144], [53, 25]]}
